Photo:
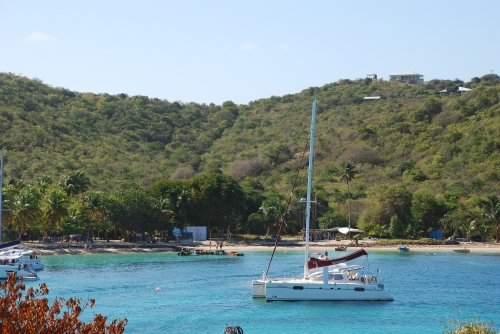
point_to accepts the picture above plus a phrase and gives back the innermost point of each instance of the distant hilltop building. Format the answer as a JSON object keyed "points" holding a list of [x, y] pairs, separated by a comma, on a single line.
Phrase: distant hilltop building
{"points": [[371, 76], [408, 77], [371, 98]]}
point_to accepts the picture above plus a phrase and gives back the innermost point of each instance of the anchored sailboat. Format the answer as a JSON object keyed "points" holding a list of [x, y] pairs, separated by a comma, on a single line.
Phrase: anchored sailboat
{"points": [[324, 278]]}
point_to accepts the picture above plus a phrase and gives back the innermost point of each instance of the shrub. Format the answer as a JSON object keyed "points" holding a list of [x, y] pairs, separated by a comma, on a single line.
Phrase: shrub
{"points": [[30, 314]]}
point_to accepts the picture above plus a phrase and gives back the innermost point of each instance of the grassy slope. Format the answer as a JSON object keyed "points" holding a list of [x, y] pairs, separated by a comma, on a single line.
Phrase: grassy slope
{"points": [[122, 141]]}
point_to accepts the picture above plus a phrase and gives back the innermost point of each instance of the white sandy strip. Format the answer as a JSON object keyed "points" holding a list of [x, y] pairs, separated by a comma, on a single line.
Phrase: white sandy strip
{"points": [[320, 246]]}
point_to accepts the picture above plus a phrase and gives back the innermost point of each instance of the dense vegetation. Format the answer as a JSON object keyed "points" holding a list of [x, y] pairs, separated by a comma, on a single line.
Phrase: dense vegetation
{"points": [[422, 161]]}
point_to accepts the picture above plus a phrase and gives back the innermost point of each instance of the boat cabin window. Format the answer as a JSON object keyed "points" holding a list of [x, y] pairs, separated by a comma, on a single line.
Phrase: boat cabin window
{"points": [[338, 277]]}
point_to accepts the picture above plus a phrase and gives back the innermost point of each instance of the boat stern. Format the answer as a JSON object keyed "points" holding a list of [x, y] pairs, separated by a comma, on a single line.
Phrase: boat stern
{"points": [[258, 288]]}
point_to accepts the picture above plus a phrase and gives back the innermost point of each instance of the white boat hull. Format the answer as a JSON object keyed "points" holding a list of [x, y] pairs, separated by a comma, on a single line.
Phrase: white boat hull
{"points": [[5, 270], [36, 264], [293, 291]]}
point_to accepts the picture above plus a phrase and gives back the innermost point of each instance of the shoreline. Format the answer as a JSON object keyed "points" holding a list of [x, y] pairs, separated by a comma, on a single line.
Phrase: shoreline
{"points": [[118, 247]]}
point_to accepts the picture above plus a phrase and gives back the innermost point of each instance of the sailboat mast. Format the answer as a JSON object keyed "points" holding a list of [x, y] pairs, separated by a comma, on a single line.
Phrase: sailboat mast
{"points": [[309, 187]]}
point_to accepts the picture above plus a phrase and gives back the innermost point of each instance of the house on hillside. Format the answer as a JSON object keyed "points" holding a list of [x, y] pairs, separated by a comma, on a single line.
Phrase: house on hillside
{"points": [[371, 98], [462, 90], [372, 76], [408, 77]]}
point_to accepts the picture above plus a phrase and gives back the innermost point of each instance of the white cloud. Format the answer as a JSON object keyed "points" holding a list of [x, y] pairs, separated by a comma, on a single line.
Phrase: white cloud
{"points": [[39, 37], [248, 46]]}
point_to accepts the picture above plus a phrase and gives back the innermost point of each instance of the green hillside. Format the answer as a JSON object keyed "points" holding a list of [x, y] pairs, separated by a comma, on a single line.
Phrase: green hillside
{"points": [[411, 145]]}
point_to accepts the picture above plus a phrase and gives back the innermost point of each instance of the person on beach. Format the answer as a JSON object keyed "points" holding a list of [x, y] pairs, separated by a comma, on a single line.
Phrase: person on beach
{"points": [[221, 244], [90, 247], [85, 247]]}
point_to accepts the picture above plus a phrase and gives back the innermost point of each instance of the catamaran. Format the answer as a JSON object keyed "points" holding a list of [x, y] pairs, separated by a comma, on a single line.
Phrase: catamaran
{"points": [[22, 256], [324, 278]]}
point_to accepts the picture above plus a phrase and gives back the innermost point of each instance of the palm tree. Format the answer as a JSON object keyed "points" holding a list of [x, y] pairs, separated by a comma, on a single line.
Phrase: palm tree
{"points": [[184, 203], [43, 182], [270, 213], [380, 230], [56, 208], [414, 229], [468, 226], [10, 192], [165, 210], [349, 174], [76, 183], [26, 209], [492, 217], [92, 202]]}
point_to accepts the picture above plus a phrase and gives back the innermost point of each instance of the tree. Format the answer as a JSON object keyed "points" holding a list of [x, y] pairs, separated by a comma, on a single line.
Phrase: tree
{"points": [[252, 189], [26, 209], [164, 210], [43, 183], [468, 226], [396, 227], [492, 215], [55, 209], [459, 220], [105, 223], [30, 314], [414, 229], [332, 219], [92, 206], [184, 204], [348, 175], [270, 213], [427, 209], [395, 200], [217, 198], [133, 211], [380, 230], [75, 183]]}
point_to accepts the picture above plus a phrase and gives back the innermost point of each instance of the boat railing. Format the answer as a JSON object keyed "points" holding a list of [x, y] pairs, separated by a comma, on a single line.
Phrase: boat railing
{"points": [[284, 277]]}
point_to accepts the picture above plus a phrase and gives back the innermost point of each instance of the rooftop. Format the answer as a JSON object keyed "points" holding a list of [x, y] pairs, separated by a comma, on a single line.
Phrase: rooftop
{"points": [[406, 73]]}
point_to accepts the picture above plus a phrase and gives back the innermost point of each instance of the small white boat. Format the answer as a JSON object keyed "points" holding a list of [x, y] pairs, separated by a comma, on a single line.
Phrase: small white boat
{"points": [[462, 250]]}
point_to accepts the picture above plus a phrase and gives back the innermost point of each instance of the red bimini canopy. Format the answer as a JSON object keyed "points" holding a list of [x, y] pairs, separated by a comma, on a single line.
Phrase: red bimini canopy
{"points": [[316, 263]]}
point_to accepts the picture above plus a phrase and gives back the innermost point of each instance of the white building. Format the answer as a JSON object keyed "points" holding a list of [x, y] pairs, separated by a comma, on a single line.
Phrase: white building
{"points": [[408, 77]]}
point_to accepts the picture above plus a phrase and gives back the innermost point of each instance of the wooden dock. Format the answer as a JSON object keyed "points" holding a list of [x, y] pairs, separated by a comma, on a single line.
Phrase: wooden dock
{"points": [[199, 251]]}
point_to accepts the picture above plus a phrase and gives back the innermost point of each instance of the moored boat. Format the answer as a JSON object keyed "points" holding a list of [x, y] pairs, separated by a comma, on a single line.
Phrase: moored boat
{"points": [[184, 252], [462, 250], [404, 249], [235, 253], [22, 256], [324, 278], [19, 270]]}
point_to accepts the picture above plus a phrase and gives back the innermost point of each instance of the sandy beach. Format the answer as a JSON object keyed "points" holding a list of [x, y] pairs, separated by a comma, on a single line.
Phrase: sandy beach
{"points": [[258, 245]]}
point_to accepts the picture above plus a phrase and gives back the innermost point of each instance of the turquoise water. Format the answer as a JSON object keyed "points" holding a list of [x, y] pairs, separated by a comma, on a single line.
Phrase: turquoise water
{"points": [[203, 294]]}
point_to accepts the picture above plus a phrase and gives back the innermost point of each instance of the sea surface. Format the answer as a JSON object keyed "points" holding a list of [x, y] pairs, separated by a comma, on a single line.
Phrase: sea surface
{"points": [[203, 294]]}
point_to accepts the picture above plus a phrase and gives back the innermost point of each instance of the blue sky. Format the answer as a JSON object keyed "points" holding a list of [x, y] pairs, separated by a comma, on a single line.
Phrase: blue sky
{"points": [[214, 51]]}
